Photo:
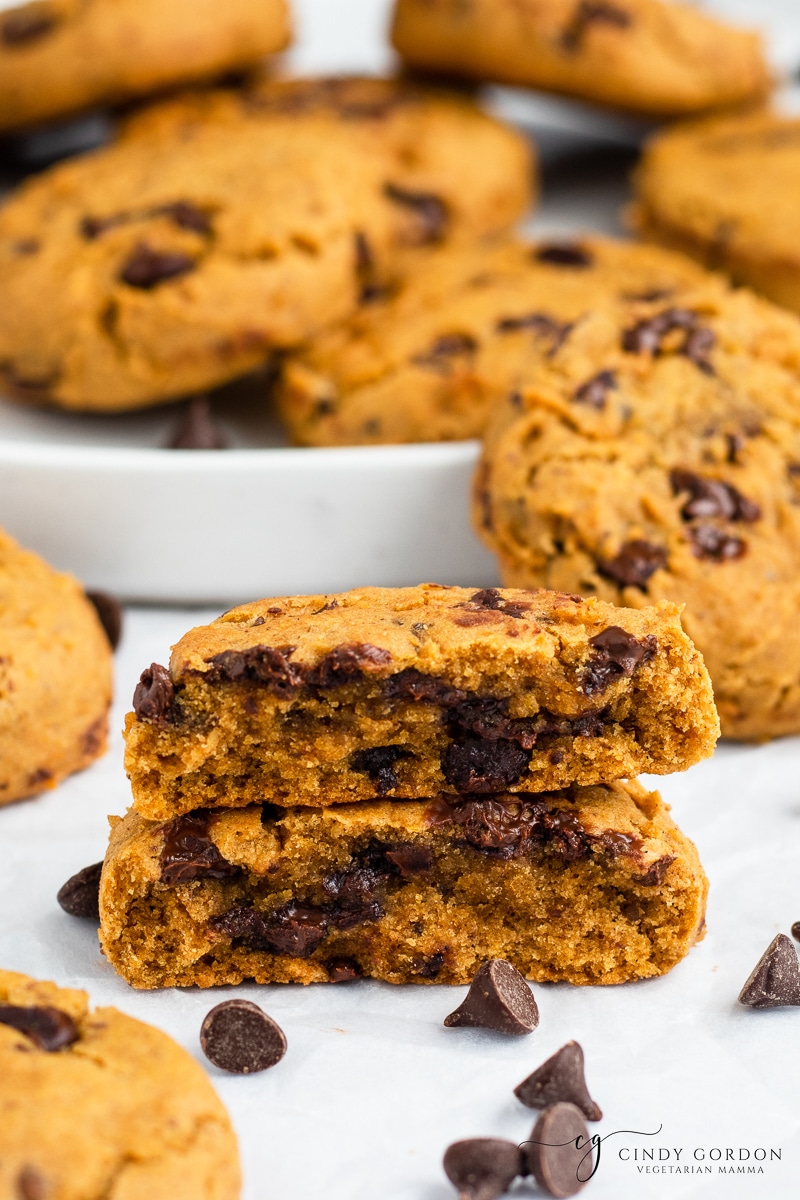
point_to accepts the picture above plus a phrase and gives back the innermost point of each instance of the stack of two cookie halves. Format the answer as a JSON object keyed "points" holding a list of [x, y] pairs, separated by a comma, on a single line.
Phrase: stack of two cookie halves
{"points": [[402, 783]]}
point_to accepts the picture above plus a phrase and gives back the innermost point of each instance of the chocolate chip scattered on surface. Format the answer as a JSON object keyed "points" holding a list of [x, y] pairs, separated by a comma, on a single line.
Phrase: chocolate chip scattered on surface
{"points": [[559, 1152], [498, 999], [775, 980], [560, 1078], [239, 1037], [79, 896], [482, 1168], [109, 612]]}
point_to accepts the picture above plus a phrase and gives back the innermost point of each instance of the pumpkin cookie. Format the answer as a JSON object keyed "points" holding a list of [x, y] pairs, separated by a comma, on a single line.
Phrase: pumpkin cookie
{"points": [[588, 885], [724, 191], [408, 692], [644, 56], [656, 456], [427, 360], [96, 1105], [184, 254], [60, 56], [55, 675]]}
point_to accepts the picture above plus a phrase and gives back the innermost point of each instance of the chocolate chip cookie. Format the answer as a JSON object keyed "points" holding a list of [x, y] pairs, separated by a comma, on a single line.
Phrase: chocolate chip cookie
{"points": [[723, 191], [644, 56], [184, 254], [60, 56], [427, 360], [408, 692], [588, 885], [55, 675], [656, 456], [96, 1104]]}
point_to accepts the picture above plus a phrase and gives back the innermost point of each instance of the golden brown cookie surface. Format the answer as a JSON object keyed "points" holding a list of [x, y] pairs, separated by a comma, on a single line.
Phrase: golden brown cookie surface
{"points": [[656, 456], [590, 885], [55, 675], [99, 1106], [724, 191], [645, 56], [60, 56]]}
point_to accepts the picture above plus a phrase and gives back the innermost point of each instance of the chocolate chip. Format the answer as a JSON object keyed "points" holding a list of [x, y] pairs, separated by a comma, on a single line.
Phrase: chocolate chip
{"points": [[564, 254], [711, 498], [410, 858], [429, 211], [346, 664], [342, 970], [775, 980], [378, 762], [188, 852], [31, 1185], [146, 267], [262, 664], [186, 216], [370, 287], [617, 653], [647, 336], [482, 1168], [196, 429], [713, 544], [796, 931], [499, 999], [594, 391], [412, 685], [477, 765], [80, 895], [293, 929], [155, 691], [429, 967], [633, 564], [592, 12], [495, 601], [238, 1036], [49, 1028], [504, 829], [28, 23], [540, 324], [654, 876], [559, 1152], [560, 1078], [698, 345], [109, 611], [445, 348]]}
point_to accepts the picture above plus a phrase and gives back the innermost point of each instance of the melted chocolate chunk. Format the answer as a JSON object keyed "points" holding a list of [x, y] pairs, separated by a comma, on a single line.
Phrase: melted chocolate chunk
{"points": [[482, 1168], [146, 267], [714, 544], [593, 393], [430, 967], [196, 428], [498, 999], [654, 876], [154, 694], [346, 663], [379, 762], [633, 564], [617, 653], [564, 254], [775, 980], [80, 895], [294, 929], [49, 1028], [28, 23], [492, 599], [486, 717], [411, 684], [189, 853], [429, 211], [109, 612], [238, 1036], [445, 348], [261, 664], [481, 765], [560, 1079], [592, 12], [559, 1153], [410, 859], [359, 882], [342, 970], [711, 498]]}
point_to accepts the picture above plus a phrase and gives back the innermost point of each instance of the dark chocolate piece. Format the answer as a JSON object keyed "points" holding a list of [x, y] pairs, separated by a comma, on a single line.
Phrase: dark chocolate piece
{"points": [[775, 979], [411, 684], [711, 498], [564, 254], [633, 564], [560, 1078], [448, 346], [186, 216], [342, 970], [155, 691], [379, 762], [594, 391], [238, 1036], [482, 1168], [196, 429], [430, 211], [499, 999], [294, 929], [559, 1152], [410, 859], [146, 267], [109, 612], [49, 1028], [480, 765], [429, 967], [713, 544], [188, 852], [28, 23], [796, 931], [346, 663], [80, 895], [31, 1185], [264, 664], [538, 323], [654, 876], [617, 653], [647, 336], [494, 601]]}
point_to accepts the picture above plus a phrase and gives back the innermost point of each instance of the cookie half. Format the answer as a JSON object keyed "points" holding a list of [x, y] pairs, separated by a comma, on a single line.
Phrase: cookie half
{"points": [[643, 56], [588, 885], [95, 1103], [656, 456], [60, 56], [408, 692], [55, 675], [724, 192]]}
